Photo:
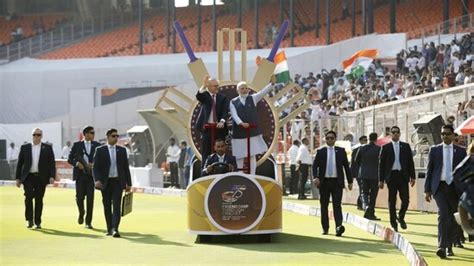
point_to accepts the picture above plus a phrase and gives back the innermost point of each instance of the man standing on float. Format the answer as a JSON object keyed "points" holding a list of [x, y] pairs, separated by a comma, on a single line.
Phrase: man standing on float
{"points": [[243, 109]]}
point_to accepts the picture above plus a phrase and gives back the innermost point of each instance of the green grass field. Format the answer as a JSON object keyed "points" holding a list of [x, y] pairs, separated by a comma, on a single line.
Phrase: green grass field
{"points": [[156, 233], [422, 232]]}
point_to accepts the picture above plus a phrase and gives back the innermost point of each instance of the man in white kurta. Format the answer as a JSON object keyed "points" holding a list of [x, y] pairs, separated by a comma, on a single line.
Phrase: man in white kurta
{"points": [[244, 113]]}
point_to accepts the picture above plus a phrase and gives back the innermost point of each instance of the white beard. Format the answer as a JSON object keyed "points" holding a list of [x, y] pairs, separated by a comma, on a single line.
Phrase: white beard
{"points": [[244, 96]]}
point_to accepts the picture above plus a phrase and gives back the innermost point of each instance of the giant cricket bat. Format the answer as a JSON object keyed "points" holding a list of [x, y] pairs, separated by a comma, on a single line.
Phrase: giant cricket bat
{"points": [[267, 66], [196, 65]]}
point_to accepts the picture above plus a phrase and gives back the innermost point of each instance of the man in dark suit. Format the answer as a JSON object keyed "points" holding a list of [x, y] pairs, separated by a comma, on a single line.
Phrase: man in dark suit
{"points": [[443, 159], [36, 168], [328, 172], [367, 161], [112, 176], [397, 169], [355, 169], [214, 110], [220, 156], [81, 158]]}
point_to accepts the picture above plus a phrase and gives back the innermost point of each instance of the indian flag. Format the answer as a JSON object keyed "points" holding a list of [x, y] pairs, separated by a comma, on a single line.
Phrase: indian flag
{"points": [[281, 71], [359, 62]]}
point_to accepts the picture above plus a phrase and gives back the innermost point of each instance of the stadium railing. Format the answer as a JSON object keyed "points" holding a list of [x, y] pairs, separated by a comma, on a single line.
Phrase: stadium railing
{"points": [[63, 35]]}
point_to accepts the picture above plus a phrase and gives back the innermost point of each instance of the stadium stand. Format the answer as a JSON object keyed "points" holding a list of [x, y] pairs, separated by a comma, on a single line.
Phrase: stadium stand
{"points": [[31, 25], [122, 42]]}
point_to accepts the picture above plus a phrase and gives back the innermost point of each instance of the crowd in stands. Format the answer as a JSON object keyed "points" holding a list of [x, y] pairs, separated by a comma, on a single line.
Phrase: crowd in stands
{"points": [[417, 71]]}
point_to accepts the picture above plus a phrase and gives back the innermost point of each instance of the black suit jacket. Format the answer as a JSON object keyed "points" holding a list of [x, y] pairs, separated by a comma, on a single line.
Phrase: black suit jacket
{"points": [[222, 108], [102, 166], [213, 158], [354, 164], [435, 166], [79, 149], [342, 165], [367, 161], [46, 163], [387, 158]]}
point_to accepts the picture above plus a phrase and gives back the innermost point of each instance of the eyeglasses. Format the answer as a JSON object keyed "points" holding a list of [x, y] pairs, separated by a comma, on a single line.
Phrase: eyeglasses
{"points": [[37, 135], [395, 132], [446, 134], [114, 136]]}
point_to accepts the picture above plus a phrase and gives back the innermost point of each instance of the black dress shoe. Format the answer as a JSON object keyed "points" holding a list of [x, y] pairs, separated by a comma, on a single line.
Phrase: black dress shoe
{"points": [[29, 224], [403, 224], [89, 226], [441, 252], [372, 218], [116, 234], [458, 245], [324, 232], [340, 230], [450, 252], [38, 226], [80, 220], [395, 228], [108, 233]]}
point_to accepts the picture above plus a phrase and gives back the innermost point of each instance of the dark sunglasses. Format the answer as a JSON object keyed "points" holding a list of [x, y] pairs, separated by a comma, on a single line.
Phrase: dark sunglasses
{"points": [[395, 132], [446, 134], [114, 136], [37, 135]]}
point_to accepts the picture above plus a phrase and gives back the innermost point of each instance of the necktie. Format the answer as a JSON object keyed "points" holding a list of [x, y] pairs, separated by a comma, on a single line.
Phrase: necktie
{"points": [[113, 162], [88, 147], [330, 162], [88, 151], [397, 156], [448, 166], [214, 113]]}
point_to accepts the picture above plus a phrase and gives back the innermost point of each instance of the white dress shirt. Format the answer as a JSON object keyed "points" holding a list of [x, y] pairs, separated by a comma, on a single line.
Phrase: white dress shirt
{"points": [[221, 158], [173, 154], [12, 154], [396, 150], [66, 151], [87, 145], [447, 155], [303, 155], [35, 153], [293, 152], [331, 152]]}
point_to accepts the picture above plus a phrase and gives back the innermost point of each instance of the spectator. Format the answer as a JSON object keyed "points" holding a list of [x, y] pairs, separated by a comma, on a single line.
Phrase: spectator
{"points": [[294, 174], [268, 34], [188, 163], [12, 159], [345, 10], [66, 150], [172, 157], [468, 77], [181, 164], [150, 35], [304, 161], [274, 31]]}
